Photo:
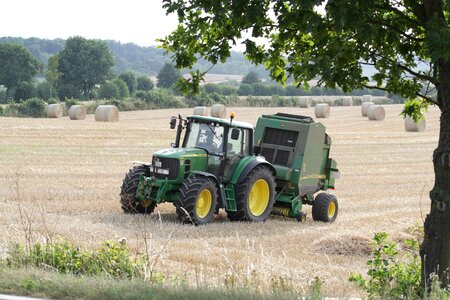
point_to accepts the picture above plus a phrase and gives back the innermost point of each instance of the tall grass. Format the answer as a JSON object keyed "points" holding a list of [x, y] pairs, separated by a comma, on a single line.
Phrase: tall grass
{"points": [[33, 282]]}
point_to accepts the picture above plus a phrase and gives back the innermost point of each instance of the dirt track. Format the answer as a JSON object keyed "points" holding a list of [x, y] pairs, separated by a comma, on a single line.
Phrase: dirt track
{"points": [[68, 175]]}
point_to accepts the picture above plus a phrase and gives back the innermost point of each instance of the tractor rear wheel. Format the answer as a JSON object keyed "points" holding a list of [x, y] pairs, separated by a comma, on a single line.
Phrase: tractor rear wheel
{"points": [[197, 201], [325, 208], [255, 197], [128, 200]]}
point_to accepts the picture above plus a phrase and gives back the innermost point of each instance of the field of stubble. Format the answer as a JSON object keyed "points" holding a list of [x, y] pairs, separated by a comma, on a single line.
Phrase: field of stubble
{"points": [[66, 175]]}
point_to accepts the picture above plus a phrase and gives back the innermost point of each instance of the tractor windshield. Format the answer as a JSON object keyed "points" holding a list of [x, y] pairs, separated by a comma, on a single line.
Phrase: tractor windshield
{"points": [[207, 136]]}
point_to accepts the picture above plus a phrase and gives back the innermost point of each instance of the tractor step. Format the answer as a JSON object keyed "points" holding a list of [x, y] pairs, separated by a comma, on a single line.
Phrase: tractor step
{"points": [[230, 197]]}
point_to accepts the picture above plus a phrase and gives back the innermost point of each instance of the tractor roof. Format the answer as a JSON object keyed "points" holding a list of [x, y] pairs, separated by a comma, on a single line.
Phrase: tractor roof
{"points": [[225, 122], [290, 117]]}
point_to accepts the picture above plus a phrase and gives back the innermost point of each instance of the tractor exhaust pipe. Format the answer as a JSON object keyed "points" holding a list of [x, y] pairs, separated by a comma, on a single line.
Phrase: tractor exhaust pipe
{"points": [[179, 129]]}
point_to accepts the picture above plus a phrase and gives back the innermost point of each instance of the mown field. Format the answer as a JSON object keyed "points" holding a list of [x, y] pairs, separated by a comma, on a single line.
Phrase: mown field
{"points": [[65, 176]]}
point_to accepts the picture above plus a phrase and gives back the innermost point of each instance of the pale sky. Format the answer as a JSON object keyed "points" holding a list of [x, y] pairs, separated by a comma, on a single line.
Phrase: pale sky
{"points": [[135, 21]]}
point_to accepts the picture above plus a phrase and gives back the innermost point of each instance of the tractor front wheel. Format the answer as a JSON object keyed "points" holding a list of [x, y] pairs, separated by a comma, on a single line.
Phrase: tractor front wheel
{"points": [[255, 197], [325, 208], [197, 201], [128, 200]]}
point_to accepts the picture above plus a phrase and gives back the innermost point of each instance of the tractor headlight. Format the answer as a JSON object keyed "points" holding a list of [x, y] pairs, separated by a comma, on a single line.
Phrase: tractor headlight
{"points": [[162, 171], [151, 169]]}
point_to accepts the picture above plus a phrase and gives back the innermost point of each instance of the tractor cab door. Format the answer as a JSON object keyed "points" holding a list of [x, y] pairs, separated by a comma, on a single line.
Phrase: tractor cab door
{"points": [[212, 138], [237, 148]]}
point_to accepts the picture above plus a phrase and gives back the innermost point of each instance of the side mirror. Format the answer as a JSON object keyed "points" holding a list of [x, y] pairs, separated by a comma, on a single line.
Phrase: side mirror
{"points": [[173, 122], [235, 134]]}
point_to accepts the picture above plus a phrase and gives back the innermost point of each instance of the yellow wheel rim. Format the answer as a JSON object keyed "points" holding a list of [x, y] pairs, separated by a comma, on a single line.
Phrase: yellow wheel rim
{"points": [[259, 197], [204, 203], [331, 210]]}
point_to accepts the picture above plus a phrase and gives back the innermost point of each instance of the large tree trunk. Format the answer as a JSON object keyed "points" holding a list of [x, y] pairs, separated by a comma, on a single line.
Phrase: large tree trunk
{"points": [[435, 249]]}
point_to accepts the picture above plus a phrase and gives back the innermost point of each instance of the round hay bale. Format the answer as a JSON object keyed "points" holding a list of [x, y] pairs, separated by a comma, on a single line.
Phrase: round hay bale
{"points": [[364, 107], [304, 101], [412, 126], [376, 112], [347, 101], [200, 111], [54, 110], [218, 111], [322, 110], [106, 113], [77, 112], [366, 98]]}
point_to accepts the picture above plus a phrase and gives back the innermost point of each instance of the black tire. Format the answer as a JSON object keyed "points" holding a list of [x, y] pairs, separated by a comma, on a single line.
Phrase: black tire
{"points": [[197, 201], [325, 208], [128, 190], [243, 205]]}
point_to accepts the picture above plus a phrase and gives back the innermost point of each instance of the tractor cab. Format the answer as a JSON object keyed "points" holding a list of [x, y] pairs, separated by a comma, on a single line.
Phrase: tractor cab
{"points": [[208, 136], [225, 142]]}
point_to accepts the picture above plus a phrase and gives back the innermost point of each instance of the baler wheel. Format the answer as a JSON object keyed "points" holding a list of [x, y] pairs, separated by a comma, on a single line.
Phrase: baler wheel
{"points": [[197, 201], [325, 208], [255, 197], [128, 190]]}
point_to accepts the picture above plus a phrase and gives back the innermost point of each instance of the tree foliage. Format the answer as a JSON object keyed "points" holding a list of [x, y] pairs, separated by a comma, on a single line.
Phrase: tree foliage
{"points": [[52, 75], [44, 90], [84, 63], [406, 42], [130, 79], [168, 76], [144, 83], [109, 90], [245, 90], [25, 90], [251, 78], [17, 66], [304, 42], [123, 88]]}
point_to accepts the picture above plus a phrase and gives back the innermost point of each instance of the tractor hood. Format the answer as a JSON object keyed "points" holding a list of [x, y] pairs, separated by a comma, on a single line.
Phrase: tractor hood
{"points": [[178, 161], [181, 153]]}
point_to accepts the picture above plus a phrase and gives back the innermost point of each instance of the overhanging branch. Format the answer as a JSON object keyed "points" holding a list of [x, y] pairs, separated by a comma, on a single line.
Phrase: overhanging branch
{"points": [[391, 8], [395, 29]]}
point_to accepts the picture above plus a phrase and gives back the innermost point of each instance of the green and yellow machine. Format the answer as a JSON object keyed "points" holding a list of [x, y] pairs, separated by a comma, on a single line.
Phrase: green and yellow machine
{"points": [[217, 163]]}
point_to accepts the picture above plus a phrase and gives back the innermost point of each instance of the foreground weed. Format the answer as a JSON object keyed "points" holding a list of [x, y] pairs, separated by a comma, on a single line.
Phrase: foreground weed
{"points": [[391, 276], [281, 284], [315, 289], [111, 259], [30, 284]]}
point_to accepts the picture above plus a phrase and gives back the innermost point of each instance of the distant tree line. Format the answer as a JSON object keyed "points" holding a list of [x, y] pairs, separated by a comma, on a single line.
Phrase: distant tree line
{"points": [[252, 85], [84, 70], [131, 57]]}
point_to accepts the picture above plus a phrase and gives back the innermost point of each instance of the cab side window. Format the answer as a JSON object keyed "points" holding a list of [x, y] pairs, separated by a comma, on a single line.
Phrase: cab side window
{"points": [[241, 145]]}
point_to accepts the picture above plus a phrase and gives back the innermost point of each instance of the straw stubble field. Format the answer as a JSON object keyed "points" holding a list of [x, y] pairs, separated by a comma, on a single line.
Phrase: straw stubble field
{"points": [[67, 175]]}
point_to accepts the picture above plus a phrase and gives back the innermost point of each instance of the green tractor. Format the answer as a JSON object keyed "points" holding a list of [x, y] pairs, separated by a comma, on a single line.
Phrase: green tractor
{"points": [[273, 168]]}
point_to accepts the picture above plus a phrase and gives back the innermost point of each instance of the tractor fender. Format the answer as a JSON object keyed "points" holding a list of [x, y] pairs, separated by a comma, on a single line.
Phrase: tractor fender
{"points": [[248, 165], [221, 199]]}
